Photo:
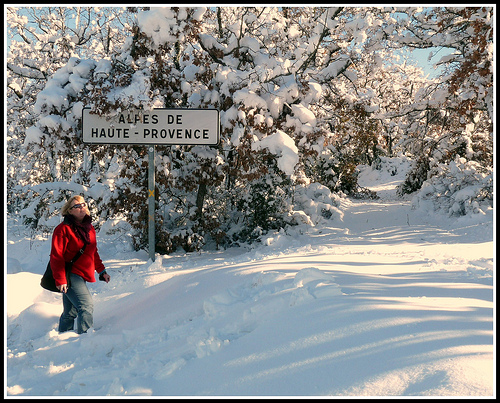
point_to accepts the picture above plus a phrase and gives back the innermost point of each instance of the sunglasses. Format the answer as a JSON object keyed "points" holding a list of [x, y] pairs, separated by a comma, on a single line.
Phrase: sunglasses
{"points": [[81, 205]]}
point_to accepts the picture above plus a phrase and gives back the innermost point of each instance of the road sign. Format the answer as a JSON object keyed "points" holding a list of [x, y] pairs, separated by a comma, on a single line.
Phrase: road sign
{"points": [[158, 126]]}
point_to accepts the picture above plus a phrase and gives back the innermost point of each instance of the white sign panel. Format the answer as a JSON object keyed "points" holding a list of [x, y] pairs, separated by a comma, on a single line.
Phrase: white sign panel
{"points": [[158, 126]]}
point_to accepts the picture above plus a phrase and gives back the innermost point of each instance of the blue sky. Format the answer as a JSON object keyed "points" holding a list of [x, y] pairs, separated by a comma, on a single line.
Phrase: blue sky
{"points": [[421, 57]]}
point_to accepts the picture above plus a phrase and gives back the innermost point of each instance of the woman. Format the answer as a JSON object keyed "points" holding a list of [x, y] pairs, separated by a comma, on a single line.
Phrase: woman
{"points": [[68, 238]]}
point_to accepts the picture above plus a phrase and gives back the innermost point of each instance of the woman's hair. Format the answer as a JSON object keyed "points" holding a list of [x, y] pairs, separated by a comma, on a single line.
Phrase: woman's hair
{"points": [[67, 205]]}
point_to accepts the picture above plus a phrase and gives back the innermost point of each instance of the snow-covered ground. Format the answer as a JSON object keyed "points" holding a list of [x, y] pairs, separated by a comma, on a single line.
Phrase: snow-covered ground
{"points": [[390, 301]]}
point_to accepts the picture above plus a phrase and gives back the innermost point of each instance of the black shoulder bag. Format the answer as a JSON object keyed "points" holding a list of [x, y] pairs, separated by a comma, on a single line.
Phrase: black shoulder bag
{"points": [[48, 281]]}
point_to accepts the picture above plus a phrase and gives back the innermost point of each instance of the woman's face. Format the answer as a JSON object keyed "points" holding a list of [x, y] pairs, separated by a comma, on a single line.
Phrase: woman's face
{"points": [[78, 209]]}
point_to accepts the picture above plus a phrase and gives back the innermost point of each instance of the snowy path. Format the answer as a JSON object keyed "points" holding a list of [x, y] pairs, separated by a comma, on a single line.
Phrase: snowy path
{"points": [[388, 302]]}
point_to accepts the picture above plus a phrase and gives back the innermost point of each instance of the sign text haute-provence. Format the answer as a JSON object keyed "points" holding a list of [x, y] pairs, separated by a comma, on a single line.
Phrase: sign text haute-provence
{"points": [[159, 126]]}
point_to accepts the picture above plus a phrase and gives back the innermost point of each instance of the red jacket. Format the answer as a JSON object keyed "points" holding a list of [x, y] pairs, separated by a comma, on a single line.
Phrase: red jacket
{"points": [[65, 245]]}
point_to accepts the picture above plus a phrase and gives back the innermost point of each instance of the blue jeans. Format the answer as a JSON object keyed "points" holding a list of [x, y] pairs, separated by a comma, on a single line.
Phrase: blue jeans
{"points": [[77, 303]]}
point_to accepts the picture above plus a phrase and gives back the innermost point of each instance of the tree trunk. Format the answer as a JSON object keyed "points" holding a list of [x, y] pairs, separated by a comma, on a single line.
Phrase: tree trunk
{"points": [[202, 191]]}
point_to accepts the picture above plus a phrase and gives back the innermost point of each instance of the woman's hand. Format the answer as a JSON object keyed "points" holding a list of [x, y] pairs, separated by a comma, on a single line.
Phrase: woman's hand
{"points": [[105, 277], [63, 288]]}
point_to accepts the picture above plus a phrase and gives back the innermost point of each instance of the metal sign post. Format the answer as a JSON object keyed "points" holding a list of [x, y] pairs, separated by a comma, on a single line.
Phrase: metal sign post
{"points": [[151, 202], [158, 126]]}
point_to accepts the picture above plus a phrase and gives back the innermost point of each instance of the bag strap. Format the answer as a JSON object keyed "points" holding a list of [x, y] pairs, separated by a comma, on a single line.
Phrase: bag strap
{"points": [[80, 253]]}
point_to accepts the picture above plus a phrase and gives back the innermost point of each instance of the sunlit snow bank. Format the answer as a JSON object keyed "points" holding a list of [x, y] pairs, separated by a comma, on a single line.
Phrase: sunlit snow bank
{"points": [[386, 301]]}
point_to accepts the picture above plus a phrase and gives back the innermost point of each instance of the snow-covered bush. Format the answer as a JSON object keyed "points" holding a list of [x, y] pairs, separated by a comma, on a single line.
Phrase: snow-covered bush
{"points": [[459, 188], [393, 166], [314, 203]]}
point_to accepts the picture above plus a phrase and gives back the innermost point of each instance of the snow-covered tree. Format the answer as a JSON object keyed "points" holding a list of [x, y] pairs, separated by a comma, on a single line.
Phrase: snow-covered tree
{"points": [[305, 95], [42, 42], [456, 115]]}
